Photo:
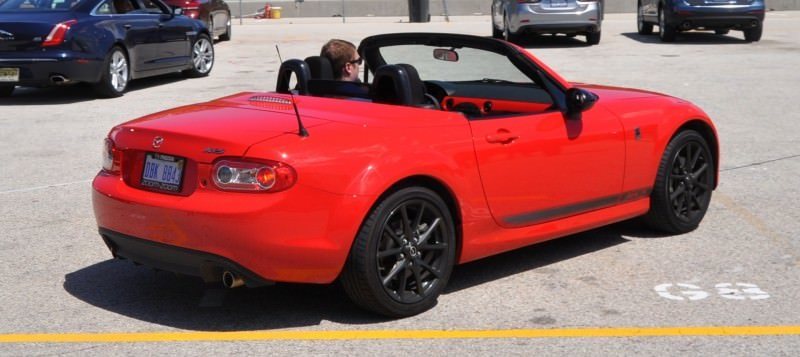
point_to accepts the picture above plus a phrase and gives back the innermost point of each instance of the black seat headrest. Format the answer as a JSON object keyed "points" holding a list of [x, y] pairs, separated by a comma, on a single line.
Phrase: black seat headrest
{"points": [[302, 75], [397, 84], [321, 67]]}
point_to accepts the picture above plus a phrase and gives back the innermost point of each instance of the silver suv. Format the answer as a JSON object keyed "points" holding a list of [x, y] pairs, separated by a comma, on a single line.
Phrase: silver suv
{"points": [[513, 18]]}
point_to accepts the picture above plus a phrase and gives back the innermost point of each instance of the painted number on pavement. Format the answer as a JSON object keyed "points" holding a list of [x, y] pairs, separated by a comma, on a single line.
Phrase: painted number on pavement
{"points": [[691, 292]]}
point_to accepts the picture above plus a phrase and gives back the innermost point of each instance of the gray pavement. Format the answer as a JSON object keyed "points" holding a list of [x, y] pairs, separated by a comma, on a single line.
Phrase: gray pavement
{"points": [[58, 278]]}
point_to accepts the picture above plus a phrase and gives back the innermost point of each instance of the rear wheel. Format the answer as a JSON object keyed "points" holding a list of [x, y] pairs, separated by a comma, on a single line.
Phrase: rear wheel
{"points": [[593, 38], [753, 34], [115, 77], [495, 32], [507, 34], [665, 32], [6, 90], [202, 57], [643, 27], [684, 182], [722, 32], [228, 34], [403, 254]]}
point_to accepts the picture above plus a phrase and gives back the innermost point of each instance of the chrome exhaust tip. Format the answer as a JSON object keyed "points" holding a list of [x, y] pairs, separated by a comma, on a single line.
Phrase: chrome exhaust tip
{"points": [[58, 79], [231, 280]]}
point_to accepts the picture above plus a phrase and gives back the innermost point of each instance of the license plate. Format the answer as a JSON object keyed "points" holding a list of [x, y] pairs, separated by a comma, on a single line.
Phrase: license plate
{"points": [[9, 74], [558, 3], [163, 172]]}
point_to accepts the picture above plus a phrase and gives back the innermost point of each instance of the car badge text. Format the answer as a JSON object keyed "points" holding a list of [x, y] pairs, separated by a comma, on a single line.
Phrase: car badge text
{"points": [[6, 36], [215, 151]]}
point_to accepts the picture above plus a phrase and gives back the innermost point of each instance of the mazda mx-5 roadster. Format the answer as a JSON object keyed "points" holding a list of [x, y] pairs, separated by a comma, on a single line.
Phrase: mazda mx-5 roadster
{"points": [[452, 148]]}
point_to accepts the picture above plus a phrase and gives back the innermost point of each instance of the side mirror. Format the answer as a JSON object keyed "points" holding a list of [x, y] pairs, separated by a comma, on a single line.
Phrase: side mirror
{"points": [[578, 101]]}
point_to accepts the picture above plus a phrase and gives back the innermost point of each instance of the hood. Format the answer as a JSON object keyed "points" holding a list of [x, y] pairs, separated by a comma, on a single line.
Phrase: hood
{"points": [[617, 93], [231, 124]]}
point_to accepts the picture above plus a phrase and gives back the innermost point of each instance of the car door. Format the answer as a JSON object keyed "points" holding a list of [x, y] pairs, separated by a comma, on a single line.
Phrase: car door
{"points": [[173, 33], [541, 167], [140, 31]]}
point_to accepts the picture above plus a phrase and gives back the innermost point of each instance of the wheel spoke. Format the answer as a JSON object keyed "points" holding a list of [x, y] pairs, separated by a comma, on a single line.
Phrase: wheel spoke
{"points": [[700, 171], [702, 185], [427, 267], [695, 157], [399, 266], [425, 236], [418, 279], [388, 230], [678, 191], [418, 220], [696, 201], [389, 252], [401, 286], [406, 223]]}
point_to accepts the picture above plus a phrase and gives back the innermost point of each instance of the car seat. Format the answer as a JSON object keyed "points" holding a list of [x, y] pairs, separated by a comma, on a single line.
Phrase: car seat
{"points": [[321, 67], [302, 74], [400, 84]]}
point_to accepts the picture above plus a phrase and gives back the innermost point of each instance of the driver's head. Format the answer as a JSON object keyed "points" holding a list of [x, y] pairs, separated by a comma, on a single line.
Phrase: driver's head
{"points": [[344, 59]]}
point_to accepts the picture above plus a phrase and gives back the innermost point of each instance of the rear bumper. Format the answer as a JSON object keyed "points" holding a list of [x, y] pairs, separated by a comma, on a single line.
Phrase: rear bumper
{"points": [[718, 17], [298, 235], [39, 68], [539, 18]]}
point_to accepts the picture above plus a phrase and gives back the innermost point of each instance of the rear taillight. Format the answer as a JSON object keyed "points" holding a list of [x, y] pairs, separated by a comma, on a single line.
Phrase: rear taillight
{"points": [[253, 176], [112, 158], [57, 34]]}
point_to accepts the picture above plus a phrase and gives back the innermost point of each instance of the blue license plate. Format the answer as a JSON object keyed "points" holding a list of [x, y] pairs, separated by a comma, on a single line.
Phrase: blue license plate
{"points": [[163, 172]]}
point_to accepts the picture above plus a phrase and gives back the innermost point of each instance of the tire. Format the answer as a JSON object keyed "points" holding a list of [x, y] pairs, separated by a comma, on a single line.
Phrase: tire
{"points": [[593, 38], [507, 34], [685, 180], [665, 33], [6, 90], [211, 31], [722, 32], [495, 32], [202, 57], [228, 33], [116, 74], [392, 275], [643, 27], [754, 34]]}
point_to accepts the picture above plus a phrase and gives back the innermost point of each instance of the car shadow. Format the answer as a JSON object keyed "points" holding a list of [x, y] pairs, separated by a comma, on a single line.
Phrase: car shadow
{"points": [[187, 303], [79, 92], [691, 38]]}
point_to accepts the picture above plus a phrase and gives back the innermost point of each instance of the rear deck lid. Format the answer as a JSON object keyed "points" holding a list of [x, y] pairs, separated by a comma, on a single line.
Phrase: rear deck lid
{"points": [[23, 31]]}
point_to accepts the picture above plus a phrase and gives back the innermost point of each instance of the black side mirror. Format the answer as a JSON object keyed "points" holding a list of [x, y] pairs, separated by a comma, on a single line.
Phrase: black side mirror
{"points": [[579, 101]]}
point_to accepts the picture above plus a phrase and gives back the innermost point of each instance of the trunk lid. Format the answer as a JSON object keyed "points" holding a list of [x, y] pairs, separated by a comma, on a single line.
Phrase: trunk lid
{"points": [[27, 31]]}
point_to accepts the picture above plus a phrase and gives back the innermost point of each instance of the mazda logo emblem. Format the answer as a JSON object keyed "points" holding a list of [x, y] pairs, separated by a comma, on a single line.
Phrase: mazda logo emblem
{"points": [[157, 141]]}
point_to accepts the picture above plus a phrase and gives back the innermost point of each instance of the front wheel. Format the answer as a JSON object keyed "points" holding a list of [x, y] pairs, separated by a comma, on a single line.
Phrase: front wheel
{"points": [[684, 182], [228, 33], [403, 254], [202, 57], [115, 77], [642, 27]]}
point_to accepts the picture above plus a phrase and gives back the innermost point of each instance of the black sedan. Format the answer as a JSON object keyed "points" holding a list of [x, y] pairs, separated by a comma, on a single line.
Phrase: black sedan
{"points": [[104, 42]]}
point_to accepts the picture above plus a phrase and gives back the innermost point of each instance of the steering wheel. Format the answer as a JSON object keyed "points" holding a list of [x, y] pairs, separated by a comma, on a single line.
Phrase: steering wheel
{"points": [[433, 101]]}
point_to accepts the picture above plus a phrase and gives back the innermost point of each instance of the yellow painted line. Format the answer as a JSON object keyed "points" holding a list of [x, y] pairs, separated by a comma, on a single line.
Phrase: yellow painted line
{"points": [[306, 335]]}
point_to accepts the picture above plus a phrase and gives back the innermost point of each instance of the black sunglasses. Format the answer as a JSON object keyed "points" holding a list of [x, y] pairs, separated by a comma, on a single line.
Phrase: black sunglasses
{"points": [[360, 60]]}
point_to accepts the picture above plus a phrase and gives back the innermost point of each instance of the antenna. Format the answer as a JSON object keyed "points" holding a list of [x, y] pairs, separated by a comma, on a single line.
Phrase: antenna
{"points": [[279, 53]]}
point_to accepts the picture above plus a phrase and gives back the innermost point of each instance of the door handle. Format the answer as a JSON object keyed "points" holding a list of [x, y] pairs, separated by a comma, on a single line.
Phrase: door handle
{"points": [[503, 136], [127, 26]]}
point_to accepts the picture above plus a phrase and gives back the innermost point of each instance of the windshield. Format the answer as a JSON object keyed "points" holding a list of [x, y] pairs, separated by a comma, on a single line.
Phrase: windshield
{"points": [[37, 5], [467, 64]]}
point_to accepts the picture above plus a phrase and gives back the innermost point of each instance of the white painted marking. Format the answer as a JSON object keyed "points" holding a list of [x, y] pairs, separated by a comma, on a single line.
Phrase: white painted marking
{"points": [[44, 187], [741, 291], [692, 292]]}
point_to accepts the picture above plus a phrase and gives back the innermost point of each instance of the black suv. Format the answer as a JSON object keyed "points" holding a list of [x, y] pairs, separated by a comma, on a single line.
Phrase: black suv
{"points": [[721, 16]]}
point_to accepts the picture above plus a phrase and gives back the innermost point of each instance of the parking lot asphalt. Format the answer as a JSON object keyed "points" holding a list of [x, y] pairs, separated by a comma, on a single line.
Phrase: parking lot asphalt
{"points": [[740, 268]]}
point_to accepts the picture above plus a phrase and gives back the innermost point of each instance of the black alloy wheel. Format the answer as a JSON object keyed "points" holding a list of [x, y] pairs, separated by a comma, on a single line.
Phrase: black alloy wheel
{"points": [[403, 254], [643, 27], [666, 33], [6, 90], [684, 183]]}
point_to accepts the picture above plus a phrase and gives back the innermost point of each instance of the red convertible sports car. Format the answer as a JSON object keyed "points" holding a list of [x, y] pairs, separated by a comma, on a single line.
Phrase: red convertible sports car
{"points": [[453, 148]]}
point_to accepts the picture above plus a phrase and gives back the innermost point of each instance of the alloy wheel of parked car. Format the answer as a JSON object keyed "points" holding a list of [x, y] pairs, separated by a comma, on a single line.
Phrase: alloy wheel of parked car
{"points": [[683, 186], [403, 255], [643, 27], [114, 80], [202, 57], [666, 33]]}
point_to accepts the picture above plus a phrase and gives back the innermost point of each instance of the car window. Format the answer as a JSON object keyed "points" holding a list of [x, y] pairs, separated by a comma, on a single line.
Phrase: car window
{"points": [[151, 7], [472, 64], [124, 6], [37, 5], [104, 8]]}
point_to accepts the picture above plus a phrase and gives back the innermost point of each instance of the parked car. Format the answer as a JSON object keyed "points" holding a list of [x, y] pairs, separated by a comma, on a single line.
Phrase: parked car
{"points": [[215, 14], [104, 42], [720, 16], [514, 18], [460, 147]]}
